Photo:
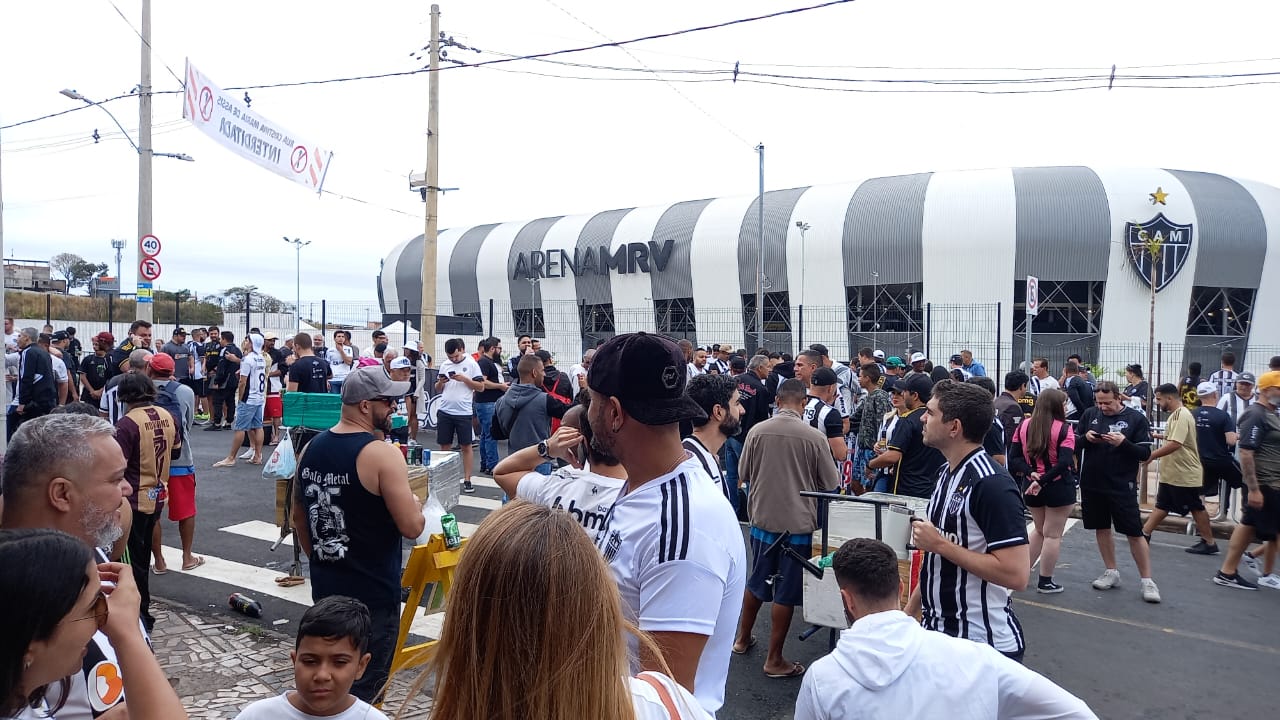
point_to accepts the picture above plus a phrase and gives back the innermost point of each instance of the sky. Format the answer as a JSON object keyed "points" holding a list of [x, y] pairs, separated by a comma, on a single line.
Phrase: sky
{"points": [[520, 145]]}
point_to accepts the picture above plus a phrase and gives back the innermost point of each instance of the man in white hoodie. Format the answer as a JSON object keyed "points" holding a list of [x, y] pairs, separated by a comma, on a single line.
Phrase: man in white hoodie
{"points": [[887, 666]]}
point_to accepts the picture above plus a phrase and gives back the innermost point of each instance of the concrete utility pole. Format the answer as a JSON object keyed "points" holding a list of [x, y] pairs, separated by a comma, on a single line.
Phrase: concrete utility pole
{"points": [[760, 258], [427, 323], [144, 157]]}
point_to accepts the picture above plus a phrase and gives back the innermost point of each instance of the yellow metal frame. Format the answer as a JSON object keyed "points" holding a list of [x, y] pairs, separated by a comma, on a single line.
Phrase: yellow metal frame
{"points": [[430, 573]]}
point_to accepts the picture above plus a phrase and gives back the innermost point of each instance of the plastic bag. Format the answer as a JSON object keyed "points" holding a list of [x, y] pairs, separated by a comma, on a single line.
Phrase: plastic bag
{"points": [[432, 511], [282, 463]]}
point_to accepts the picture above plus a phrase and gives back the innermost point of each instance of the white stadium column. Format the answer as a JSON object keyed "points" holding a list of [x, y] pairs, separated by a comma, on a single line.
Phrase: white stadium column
{"points": [[815, 269], [714, 265], [969, 241], [633, 292], [1127, 301], [491, 279]]}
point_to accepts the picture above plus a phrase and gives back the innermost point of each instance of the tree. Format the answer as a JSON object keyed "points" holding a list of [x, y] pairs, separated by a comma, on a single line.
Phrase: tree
{"points": [[65, 264], [76, 270]]}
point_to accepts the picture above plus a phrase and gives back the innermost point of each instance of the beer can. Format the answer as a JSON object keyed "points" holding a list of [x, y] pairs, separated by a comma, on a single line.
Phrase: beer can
{"points": [[452, 537]]}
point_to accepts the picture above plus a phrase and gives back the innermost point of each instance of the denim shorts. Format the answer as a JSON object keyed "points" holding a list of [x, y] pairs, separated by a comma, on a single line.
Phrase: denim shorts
{"points": [[248, 417]]}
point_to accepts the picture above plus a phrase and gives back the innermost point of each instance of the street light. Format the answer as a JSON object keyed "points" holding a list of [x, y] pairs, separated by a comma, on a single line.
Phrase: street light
{"points": [[119, 246], [533, 286], [298, 244], [142, 148], [804, 227], [875, 320]]}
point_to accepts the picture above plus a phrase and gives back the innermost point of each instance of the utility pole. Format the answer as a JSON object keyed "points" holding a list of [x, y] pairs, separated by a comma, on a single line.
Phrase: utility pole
{"points": [[427, 324], [144, 159], [760, 257], [119, 248]]}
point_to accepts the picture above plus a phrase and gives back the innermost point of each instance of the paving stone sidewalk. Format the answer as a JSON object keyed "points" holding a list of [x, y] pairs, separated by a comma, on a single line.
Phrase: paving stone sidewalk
{"points": [[218, 666]]}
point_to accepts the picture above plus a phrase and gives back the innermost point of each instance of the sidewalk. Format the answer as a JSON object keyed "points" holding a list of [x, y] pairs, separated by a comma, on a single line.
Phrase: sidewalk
{"points": [[218, 666]]}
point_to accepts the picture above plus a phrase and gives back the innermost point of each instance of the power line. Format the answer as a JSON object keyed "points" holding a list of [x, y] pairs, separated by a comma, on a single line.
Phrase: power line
{"points": [[129, 22], [655, 73]]}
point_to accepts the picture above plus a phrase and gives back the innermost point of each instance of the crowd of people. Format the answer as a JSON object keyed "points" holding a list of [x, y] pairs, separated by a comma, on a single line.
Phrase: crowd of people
{"points": [[628, 477]]}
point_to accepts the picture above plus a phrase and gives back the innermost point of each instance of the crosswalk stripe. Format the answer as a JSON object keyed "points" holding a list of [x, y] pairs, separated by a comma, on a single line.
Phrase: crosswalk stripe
{"points": [[261, 581], [269, 533], [482, 503]]}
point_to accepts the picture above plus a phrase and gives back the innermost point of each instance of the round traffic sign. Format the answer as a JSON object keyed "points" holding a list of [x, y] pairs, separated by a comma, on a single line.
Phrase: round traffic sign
{"points": [[150, 268], [150, 245]]}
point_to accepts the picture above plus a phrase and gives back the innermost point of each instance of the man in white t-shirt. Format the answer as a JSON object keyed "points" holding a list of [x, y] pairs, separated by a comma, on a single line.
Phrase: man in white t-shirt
{"points": [[698, 365], [585, 489], [342, 358], [578, 373], [459, 379], [251, 398], [671, 540], [1041, 380]]}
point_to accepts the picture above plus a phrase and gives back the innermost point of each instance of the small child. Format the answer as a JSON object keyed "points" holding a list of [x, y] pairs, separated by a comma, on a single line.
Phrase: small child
{"points": [[329, 656]]}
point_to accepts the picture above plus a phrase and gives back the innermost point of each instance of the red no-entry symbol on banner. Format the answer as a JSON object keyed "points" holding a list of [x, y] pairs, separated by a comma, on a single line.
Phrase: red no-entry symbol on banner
{"points": [[299, 159], [150, 268], [206, 103]]}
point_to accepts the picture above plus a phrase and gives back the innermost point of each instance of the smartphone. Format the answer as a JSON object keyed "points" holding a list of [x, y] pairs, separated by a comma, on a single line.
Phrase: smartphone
{"points": [[451, 373]]}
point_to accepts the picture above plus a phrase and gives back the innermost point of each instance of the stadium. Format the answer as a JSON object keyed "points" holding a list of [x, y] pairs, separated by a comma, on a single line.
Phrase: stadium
{"points": [[932, 261]]}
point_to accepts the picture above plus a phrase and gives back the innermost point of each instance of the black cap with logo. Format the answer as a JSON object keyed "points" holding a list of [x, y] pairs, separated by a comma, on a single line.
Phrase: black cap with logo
{"points": [[647, 373]]}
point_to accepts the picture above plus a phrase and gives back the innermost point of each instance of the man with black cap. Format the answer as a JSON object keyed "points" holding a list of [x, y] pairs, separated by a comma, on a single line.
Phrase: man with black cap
{"points": [[671, 540], [353, 506], [915, 465], [184, 361]]}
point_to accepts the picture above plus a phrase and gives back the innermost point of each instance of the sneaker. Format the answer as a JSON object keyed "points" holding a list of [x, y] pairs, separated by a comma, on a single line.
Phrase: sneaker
{"points": [[1271, 581], [1233, 581], [198, 421], [1203, 548], [202, 416], [467, 487], [1150, 592], [213, 427], [1252, 563], [1048, 587], [1107, 580], [246, 455]]}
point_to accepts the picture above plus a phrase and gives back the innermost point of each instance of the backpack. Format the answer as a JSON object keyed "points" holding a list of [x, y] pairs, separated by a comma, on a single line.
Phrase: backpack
{"points": [[552, 391], [167, 398]]}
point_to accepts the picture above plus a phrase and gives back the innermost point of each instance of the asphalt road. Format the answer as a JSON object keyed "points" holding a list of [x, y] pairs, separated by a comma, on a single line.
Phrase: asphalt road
{"points": [[1206, 651]]}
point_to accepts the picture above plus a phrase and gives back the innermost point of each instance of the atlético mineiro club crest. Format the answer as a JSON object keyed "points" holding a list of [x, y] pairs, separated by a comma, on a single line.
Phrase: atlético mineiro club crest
{"points": [[1170, 243]]}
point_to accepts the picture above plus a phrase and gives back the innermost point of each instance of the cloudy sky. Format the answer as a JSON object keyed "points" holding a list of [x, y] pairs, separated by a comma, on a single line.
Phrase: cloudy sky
{"points": [[519, 144]]}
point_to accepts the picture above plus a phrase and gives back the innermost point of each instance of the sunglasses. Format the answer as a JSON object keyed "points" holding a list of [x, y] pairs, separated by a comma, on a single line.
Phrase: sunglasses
{"points": [[390, 401], [100, 610]]}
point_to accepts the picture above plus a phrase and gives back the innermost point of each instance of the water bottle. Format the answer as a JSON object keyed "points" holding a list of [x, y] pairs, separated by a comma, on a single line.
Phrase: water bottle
{"points": [[245, 605]]}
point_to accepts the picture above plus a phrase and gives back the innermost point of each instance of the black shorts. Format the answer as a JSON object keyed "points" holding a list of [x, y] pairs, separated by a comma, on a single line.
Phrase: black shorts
{"points": [[447, 426], [1179, 500], [197, 386], [1228, 472], [1265, 521], [1058, 493], [1102, 510], [788, 587]]}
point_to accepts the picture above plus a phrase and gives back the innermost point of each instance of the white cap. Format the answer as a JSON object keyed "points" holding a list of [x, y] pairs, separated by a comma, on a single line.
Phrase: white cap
{"points": [[1205, 389], [878, 354], [918, 357], [401, 363]]}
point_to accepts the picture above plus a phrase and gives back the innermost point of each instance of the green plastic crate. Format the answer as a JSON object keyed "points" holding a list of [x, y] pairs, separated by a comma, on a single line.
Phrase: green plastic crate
{"points": [[314, 411]]}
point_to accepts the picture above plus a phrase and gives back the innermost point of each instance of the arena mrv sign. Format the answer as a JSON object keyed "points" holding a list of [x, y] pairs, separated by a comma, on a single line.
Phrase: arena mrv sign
{"points": [[629, 258]]}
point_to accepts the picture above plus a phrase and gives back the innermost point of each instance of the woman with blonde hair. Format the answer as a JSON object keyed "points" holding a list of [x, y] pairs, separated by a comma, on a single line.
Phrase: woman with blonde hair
{"points": [[535, 631], [1041, 454]]}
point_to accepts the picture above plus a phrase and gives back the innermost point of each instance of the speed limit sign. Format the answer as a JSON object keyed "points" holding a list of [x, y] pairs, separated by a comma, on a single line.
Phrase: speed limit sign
{"points": [[150, 245]]}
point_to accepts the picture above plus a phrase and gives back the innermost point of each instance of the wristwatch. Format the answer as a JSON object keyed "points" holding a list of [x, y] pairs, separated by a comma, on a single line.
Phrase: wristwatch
{"points": [[543, 451]]}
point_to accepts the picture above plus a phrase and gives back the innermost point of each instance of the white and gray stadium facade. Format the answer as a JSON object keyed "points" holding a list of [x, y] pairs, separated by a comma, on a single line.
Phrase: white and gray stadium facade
{"points": [[932, 261]]}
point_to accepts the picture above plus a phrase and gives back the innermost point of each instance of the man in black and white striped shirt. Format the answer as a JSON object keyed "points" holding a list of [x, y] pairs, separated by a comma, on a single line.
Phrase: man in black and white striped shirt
{"points": [[1226, 376], [717, 395], [975, 537]]}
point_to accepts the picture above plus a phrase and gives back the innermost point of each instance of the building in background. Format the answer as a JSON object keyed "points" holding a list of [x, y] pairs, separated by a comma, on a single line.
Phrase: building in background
{"points": [[933, 261]]}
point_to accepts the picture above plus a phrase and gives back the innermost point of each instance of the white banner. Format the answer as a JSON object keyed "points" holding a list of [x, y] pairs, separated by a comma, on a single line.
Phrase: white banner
{"points": [[233, 125]]}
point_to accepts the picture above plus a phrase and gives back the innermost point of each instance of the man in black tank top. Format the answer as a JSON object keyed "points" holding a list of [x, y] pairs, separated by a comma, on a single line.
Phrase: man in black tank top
{"points": [[353, 505]]}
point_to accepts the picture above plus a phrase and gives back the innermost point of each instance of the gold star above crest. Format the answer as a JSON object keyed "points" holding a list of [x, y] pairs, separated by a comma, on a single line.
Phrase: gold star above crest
{"points": [[1158, 197]]}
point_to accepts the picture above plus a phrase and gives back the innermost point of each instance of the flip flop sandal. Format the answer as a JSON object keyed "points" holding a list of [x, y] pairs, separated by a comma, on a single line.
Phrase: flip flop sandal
{"points": [[750, 644], [188, 568], [796, 671], [290, 581], [162, 571], [224, 464]]}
